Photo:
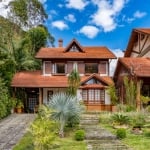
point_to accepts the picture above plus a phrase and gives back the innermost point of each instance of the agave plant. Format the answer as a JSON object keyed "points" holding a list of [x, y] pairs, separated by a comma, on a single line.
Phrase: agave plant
{"points": [[64, 106], [120, 119]]}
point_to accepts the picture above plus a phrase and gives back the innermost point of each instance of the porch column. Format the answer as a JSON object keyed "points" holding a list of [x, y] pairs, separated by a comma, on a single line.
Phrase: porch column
{"points": [[40, 96]]}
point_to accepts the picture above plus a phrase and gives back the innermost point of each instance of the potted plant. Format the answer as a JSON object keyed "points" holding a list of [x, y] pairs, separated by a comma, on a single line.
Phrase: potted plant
{"points": [[13, 104], [19, 106]]}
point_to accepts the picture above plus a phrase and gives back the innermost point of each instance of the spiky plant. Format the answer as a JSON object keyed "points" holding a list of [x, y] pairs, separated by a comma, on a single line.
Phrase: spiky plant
{"points": [[64, 106]]}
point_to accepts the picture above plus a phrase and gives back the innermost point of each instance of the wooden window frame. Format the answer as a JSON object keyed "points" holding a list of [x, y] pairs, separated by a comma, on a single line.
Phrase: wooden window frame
{"points": [[95, 101]]}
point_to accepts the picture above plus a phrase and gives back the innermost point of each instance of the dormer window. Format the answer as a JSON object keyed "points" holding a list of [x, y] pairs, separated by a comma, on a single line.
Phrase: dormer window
{"points": [[74, 49]]}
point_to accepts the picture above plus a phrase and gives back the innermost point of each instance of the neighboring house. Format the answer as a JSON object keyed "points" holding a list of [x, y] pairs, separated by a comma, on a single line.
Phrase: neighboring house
{"points": [[57, 63], [135, 63]]}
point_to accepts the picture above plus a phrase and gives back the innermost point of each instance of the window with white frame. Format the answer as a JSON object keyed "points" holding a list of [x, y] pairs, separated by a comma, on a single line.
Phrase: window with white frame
{"points": [[93, 95]]}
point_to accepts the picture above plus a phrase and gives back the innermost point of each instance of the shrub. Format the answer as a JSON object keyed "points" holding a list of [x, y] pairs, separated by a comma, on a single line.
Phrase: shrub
{"points": [[130, 108], [147, 134], [138, 120], [80, 135], [148, 108], [121, 133], [105, 118], [120, 119]]}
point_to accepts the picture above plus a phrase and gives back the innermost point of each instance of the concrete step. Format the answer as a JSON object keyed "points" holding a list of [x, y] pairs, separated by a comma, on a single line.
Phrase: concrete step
{"points": [[105, 145]]}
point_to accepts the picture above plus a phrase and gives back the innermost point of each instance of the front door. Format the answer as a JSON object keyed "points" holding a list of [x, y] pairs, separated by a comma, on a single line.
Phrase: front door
{"points": [[32, 102]]}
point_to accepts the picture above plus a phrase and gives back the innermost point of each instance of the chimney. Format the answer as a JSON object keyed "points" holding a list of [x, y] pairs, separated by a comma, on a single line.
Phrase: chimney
{"points": [[60, 43]]}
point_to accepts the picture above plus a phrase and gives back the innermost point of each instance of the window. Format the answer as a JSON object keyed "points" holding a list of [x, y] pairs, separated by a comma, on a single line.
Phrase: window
{"points": [[74, 49], [92, 81], [91, 68], [93, 96], [60, 68]]}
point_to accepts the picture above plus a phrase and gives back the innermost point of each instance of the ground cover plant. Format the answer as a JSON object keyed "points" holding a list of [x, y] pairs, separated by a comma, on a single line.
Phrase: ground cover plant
{"points": [[44, 132], [135, 140]]}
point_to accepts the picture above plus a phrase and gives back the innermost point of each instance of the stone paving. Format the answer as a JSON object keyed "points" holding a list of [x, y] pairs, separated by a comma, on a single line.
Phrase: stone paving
{"points": [[13, 128], [98, 138]]}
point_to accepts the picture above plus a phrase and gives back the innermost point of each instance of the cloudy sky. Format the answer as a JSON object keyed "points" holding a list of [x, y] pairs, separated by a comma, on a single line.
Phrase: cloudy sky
{"points": [[94, 22]]}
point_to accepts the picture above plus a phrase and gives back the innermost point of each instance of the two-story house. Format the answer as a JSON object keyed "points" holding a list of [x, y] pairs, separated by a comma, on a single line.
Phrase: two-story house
{"points": [[57, 63], [135, 63]]}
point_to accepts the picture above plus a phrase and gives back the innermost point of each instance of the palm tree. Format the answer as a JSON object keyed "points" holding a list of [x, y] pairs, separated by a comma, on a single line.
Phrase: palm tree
{"points": [[64, 106], [74, 82]]}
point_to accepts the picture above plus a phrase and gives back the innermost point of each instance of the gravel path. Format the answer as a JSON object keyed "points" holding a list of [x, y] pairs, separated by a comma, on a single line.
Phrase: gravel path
{"points": [[13, 128]]}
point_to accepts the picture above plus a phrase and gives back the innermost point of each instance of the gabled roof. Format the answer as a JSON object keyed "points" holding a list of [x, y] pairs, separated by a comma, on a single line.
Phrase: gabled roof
{"points": [[36, 79], [104, 79], [76, 43], [90, 52], [133, 38], [139, 67]]}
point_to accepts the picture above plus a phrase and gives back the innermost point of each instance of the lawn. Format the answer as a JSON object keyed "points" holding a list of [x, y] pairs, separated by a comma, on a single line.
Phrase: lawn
{"points": [[26, 143], [134, 141]]}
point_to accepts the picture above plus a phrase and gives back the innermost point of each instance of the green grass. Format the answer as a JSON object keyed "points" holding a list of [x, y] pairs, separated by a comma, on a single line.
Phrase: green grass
{"points": [[26, 143], [136, 142]]}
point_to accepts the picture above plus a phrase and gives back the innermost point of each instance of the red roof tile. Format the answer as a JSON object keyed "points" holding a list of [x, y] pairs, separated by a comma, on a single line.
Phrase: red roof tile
{"points": [[89, 53], [140, 66], [36, 79]]}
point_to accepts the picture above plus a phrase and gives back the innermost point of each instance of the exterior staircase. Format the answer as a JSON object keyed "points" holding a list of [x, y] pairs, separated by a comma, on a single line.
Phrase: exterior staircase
{"points": [[98, 138]]}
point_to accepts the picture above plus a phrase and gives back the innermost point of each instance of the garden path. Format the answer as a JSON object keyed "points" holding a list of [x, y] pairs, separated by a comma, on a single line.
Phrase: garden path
{"points": [[98, 138], [13, 128]]}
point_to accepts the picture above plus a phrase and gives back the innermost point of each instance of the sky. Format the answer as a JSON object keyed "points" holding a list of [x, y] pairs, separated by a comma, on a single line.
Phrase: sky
{"points": [[94, 22]]}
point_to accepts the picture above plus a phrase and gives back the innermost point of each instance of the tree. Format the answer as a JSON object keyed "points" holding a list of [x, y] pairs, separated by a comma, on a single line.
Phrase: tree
{"points": [[27, 13], [64, 106], [37, 38], [130, 91], [74, 82], [112, 92]]}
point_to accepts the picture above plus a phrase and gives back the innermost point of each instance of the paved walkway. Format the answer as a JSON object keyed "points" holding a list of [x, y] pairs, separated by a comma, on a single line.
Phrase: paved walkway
{"points": [[13, 128], [98, 138]]}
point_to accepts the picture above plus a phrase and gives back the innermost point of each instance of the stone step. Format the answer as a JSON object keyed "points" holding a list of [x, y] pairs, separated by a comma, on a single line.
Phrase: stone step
{"points": [[89, 122], [97, 132], [106, 145]]}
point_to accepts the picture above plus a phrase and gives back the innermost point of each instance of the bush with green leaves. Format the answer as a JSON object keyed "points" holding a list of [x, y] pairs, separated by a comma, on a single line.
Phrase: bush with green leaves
{"points": [[148, 109], [80, 135], [121, 133], [147, 133], [120, 119], [138, 120], [5, 101], [43, 130]]}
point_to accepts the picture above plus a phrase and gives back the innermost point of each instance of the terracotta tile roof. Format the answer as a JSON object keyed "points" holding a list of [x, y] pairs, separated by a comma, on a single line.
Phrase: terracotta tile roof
{"points": [[36, 79], [89, 53], [140, 66], [133, 39]]}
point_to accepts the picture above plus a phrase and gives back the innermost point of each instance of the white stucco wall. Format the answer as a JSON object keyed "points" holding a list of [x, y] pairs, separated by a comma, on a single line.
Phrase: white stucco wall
{"points": [[107, 98], [55, 90]]}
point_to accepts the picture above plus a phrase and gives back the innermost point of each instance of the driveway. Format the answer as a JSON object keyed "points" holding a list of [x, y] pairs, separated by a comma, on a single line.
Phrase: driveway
{"points": [[13, 128]]}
